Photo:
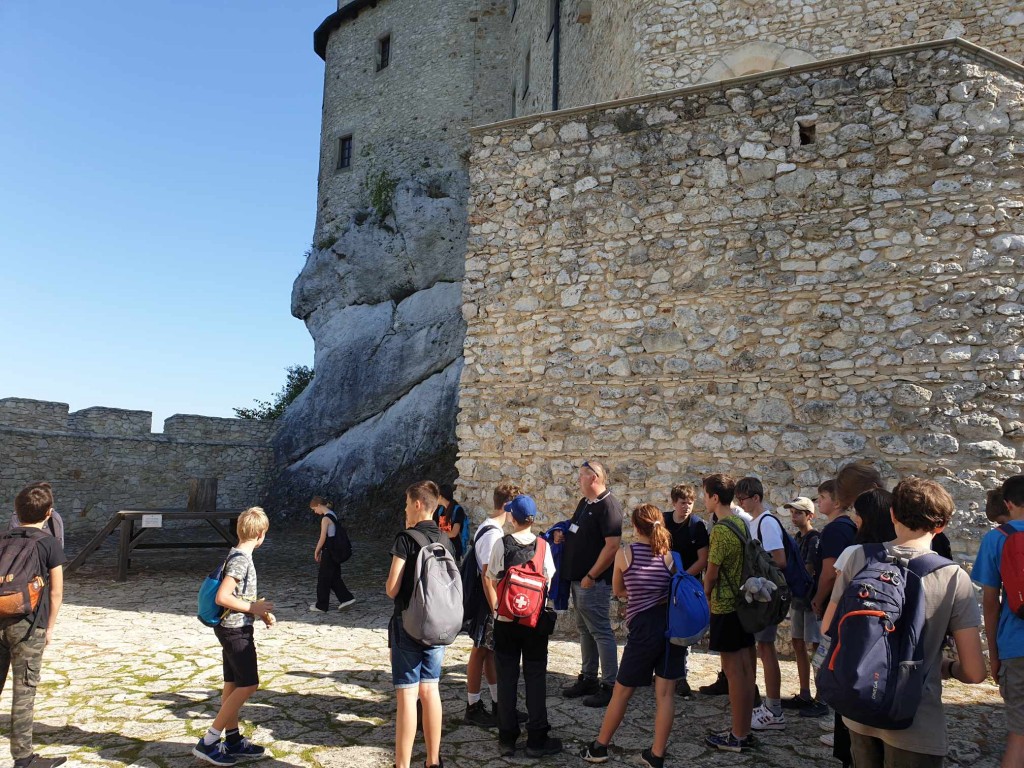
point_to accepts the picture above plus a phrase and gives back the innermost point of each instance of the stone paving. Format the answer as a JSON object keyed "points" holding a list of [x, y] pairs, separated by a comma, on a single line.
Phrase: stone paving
{"points": [[133, 679]]}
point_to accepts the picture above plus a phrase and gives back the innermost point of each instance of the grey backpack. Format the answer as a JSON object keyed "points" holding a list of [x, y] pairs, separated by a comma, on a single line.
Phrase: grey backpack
{"points": [[434, 613]]}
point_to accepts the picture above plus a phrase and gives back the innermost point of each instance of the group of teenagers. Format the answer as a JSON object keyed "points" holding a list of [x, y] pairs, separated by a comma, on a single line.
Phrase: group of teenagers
{"points": [[592, 567], [902, 524]]}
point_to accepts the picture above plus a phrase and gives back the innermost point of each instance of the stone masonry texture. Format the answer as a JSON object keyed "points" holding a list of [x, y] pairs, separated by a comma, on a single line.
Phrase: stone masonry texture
{"points": [[770, 277], [100, 460]]}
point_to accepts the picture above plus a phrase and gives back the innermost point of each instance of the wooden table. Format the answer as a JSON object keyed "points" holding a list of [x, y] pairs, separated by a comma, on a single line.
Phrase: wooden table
{"points": [[131, 540]]}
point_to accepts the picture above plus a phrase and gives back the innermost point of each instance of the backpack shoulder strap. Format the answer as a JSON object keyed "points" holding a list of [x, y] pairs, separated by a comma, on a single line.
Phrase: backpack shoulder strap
{"points": [[539, 547], [922, 565], [875, 552], [481, 529], [677, 560], [727, 522], [419, 537], [228, 559], [1007, 530], [333, 517]]}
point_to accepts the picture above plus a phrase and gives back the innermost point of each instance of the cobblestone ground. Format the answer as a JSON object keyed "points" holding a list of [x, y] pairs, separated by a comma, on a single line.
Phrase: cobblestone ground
{"points": [[133, 679]]}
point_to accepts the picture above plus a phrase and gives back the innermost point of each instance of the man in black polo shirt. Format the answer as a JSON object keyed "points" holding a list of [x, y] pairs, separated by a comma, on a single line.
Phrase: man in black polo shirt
{"points": [[591, 542]]}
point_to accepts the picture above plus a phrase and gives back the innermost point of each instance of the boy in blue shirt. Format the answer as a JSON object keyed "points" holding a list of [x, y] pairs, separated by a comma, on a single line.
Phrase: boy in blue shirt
{"points": [[1005, 632]]}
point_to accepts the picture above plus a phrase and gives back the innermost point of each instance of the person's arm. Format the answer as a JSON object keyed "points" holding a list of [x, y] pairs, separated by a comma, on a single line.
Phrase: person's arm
{"points": [[826, 580], [779, 556], [456, 530], [325, 524], [700, 564], [490, 589], [604, 559], [990, 609], [710, 579], [226, 599], [969, 666], [56, 599], [394, 582], [830, 613], [618, 582]]}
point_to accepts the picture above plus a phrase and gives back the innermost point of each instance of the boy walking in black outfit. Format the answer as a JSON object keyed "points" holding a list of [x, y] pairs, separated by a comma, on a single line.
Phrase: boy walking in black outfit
{"points": [[24, 638], [513, 641]]}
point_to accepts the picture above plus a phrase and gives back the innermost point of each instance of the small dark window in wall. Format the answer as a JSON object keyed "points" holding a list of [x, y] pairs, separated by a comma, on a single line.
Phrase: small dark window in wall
{"points": [[383, 52], [344, 152], [807, 134]]}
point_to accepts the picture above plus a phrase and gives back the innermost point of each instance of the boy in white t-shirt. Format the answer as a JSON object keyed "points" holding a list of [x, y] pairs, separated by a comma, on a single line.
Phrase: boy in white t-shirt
{"points": [[517, 642], [481, 658], [767, 529]]}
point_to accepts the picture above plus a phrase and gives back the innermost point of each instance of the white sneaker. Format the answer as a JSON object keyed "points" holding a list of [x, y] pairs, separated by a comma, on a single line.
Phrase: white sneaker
{"points": [[347, 603], [827, 724], [764, 720], [828, 739], [314, 609]]}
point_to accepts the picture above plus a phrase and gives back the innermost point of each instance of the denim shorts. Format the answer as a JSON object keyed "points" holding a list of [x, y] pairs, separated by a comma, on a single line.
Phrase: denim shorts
{"points": [[804, 625], [768, 634], [411, 662]]}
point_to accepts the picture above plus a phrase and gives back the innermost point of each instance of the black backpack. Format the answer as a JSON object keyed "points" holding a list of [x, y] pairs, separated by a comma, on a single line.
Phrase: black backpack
{"points": [[22, 580], [339, 545]]}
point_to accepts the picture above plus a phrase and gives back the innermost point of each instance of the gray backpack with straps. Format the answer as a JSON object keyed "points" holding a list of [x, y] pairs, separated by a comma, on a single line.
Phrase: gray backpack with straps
{"points": [[434, 613]]}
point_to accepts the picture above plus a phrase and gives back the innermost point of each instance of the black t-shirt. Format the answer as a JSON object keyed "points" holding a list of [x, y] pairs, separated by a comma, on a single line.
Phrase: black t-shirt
{"points": [[447, 519], [51, 555], [688, 537], [835, 537], [596, 521], [941, 545], [406, 547]]}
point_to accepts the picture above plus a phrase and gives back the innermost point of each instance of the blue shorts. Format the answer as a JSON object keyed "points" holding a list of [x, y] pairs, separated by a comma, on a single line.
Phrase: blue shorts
{"points": [[411, 662], [649, 652]]}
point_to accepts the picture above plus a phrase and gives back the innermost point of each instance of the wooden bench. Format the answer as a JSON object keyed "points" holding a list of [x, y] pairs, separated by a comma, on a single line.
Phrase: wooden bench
{"points": [[131, 540]]}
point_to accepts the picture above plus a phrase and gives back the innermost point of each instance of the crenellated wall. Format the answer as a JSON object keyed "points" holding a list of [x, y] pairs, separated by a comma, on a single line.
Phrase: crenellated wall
{"points": [[772, 276], [100, 460]]}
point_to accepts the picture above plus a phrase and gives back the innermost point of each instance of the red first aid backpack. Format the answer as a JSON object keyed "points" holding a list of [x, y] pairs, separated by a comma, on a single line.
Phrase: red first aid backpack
{"points": [[523, 588], [1011, 568]]}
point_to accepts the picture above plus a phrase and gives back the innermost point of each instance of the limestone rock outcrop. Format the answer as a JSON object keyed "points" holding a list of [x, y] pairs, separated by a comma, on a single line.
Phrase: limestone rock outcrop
{"points": [[383, 304]]}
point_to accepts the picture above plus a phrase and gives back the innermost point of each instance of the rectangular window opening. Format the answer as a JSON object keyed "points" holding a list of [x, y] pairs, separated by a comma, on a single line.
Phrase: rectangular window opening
{"points": [[383, 52], [808, 133], [344, 153]]}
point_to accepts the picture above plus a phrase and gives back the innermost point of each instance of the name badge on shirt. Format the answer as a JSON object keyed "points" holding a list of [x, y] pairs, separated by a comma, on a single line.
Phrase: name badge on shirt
{"points": [[573, 528]]}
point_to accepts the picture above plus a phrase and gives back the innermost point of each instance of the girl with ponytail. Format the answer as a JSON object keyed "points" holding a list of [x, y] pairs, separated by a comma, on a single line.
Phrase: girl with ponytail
{"points": [[642, 574]]}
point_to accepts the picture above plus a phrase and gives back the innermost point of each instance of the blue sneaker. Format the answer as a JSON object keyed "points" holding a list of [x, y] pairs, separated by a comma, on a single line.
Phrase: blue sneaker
{"points": [[213, 753], [727, 742], [244, 749]]}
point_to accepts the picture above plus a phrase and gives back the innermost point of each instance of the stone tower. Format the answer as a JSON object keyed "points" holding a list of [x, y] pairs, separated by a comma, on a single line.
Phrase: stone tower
{"points": [[404, 80]]}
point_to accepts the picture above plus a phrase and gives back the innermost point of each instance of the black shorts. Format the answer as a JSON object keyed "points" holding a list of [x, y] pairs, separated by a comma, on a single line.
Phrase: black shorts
{"points": [[238, 648], [727, 634], [649, 652]]}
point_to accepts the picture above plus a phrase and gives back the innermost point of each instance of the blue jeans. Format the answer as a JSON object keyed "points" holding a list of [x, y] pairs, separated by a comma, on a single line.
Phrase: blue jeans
{"points": [[597, 641]]}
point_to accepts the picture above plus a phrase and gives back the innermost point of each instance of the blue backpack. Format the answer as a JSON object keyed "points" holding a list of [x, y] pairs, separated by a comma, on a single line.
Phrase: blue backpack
{"points": [[799, 580], [207, 610], [688, 613], [464, 533], [872, 670]]}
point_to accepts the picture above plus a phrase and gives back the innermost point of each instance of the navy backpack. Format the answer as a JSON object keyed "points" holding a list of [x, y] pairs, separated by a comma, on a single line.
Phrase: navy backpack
{"points": [[873, 667], [799, 580]]}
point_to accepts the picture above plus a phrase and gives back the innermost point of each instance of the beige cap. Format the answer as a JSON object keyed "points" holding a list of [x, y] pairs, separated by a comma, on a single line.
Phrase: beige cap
{"points": [[802, 503]]}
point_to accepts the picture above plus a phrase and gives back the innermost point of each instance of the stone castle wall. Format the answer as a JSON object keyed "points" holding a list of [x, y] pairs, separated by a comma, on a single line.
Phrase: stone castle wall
{"points": [[634, 47], [772, 279], [687, 42], [447, 73], [100, 460]]}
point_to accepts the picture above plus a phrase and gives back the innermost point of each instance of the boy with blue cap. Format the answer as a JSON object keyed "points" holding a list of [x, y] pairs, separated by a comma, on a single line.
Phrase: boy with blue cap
{"points": [[516, 641]]}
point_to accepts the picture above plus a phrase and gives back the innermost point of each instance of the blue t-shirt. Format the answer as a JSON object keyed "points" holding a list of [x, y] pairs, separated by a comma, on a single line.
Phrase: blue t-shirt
{"points": [[1010, 635]]}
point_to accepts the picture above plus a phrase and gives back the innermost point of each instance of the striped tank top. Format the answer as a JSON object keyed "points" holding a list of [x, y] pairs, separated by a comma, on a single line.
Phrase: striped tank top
{"points": [[647, 580]]}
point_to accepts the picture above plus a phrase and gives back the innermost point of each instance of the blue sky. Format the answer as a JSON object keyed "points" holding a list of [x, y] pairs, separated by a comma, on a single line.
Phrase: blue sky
{"points": [[158, 168]]}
